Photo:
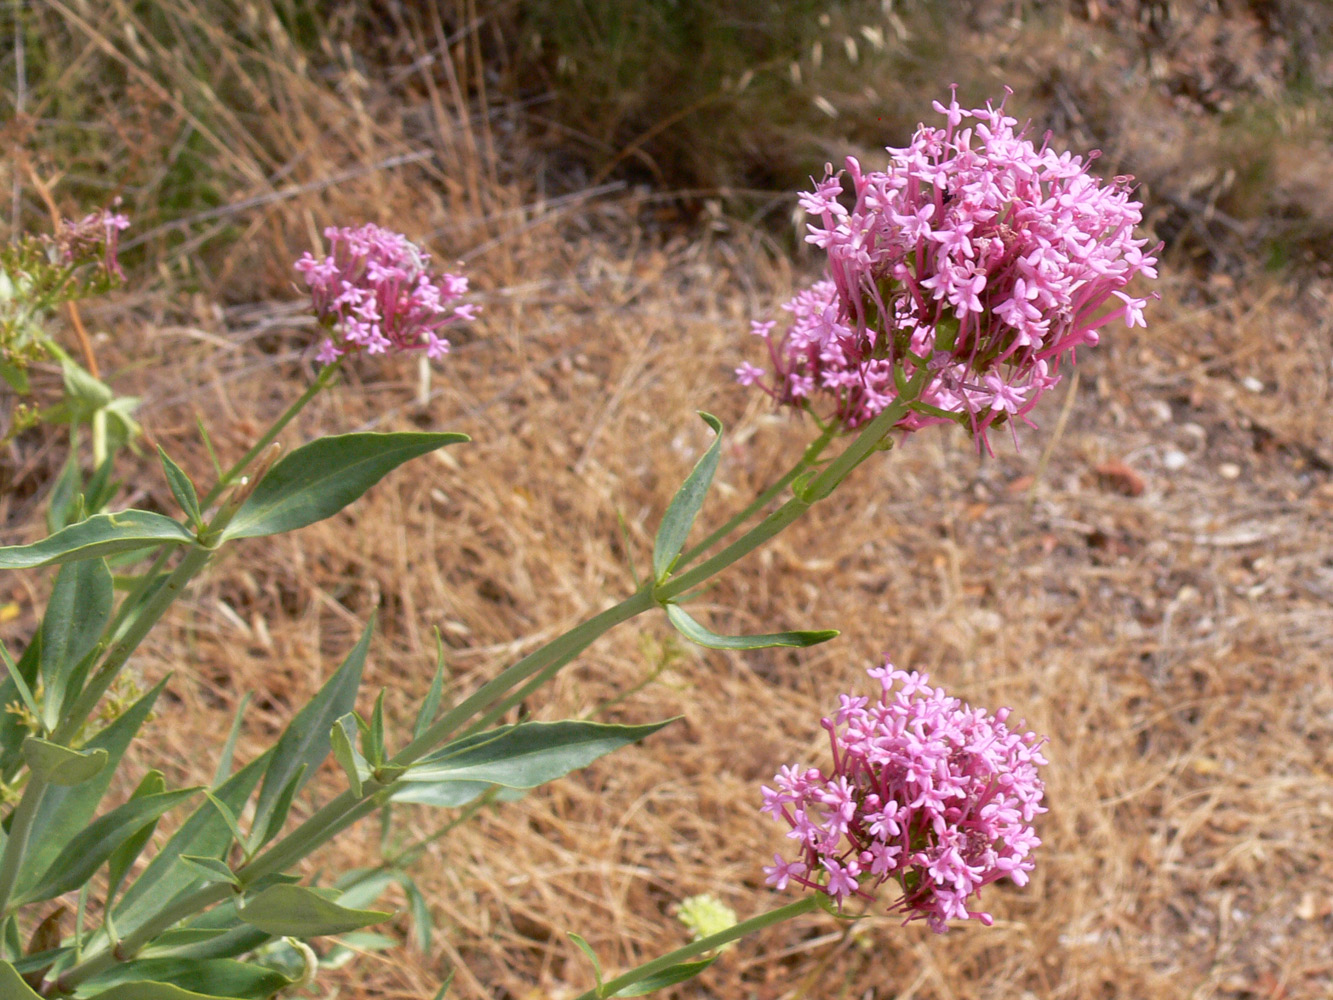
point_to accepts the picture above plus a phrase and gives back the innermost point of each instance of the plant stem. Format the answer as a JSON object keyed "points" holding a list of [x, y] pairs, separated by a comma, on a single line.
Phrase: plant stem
{"points": [[324, 377], [865, 444], [146, 615], [17, 844], [131, 943], [804, 905], [557, 651], [807, 459]]}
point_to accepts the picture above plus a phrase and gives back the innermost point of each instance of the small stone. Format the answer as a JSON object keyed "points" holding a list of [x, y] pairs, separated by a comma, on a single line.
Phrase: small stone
{"points": [[1159, 410], [1229, 470], [1174, 460], [1252, 383]]}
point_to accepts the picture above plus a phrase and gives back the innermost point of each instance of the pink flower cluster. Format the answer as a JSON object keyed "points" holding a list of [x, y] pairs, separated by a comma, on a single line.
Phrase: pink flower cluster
{"points": [[924, 791], [975, 255], [94, 238], [376, 290]]}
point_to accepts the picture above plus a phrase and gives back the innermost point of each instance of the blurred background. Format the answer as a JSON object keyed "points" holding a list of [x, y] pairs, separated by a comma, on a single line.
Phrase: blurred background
{"points": [[1148, 578]]}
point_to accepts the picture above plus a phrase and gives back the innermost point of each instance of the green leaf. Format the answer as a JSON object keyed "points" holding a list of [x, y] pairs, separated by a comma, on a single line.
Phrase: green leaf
{"points": [[204, 834], [696, 633], [118, 866], [145, 990], [16, 377], [352, 763], [210, 869], [96, 842], [373, 743], [188, 977], [441, 795], [305, 742], [181, 488], [282, 805], [12, 986], [685, 505], [431, 704], [99, 535], [444, 986], [321, 478], [228, 816], [592, 957], [61, 765], [60, 504], [66, 810], [297, 911], [229, 748], [18, 682], [667, 977], [76, 613], [526, 755], [179, 938], [101, 487]]}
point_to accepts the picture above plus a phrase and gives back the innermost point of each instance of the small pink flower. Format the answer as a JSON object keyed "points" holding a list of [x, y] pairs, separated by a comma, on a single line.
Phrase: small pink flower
{"points": [[925, 793], [375, 292]]}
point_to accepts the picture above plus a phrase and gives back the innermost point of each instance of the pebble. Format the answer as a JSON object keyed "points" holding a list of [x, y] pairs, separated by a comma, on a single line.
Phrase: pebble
{"points": [[1175, 460], [1228, 470], [1252, 383]]}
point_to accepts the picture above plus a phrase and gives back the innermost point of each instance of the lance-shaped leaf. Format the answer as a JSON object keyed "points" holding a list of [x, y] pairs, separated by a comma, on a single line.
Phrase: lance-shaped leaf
{"points": [[205, 833], [282, 805], [17, 686], [61, 765], [210, 869], [348, 757], [76, 614], [449, 794], [12, 986], [66, 810], [666, 977], [185, 979], [96, 842], [525, 755], [430, 705], [685, 505], [298, 911], [124, 855], [181, 488], [305, 743], [98, 536], [696, 633], [321, 478]]}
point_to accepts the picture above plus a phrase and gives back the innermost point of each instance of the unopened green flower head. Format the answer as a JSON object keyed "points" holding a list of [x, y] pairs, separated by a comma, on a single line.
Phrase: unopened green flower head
{"points": [[705, 915]]}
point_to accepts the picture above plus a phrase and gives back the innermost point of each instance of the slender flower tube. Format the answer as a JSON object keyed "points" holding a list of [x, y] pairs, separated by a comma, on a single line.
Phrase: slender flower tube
{"points": [[924, 791], [976, 255], [375, 292]]}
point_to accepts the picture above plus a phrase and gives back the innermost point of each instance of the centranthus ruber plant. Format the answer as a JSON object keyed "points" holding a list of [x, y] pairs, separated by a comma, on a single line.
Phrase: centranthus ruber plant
{"points": [[956, 285]]}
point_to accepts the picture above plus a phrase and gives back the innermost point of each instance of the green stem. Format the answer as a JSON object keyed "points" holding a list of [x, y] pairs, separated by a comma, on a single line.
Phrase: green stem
{"points": [[129, 945], [17, 844], [146, 615], [807, 459], [324, 377], [804, 905], [558, 651], [862, 446], [333, 816]]}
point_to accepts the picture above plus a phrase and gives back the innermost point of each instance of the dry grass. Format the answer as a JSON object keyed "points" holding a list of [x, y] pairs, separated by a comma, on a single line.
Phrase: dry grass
{"points": [[1159, 601]]}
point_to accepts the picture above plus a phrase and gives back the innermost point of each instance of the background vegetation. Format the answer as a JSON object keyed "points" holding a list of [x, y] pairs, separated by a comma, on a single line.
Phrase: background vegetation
{"points": [[1148, 580]]}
